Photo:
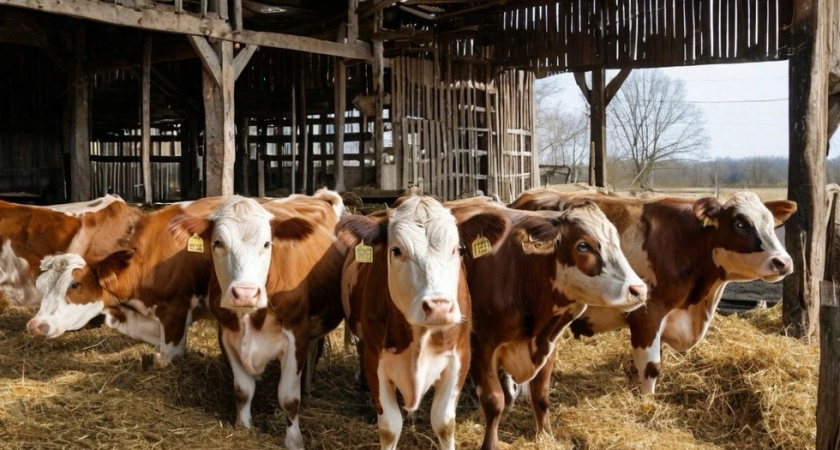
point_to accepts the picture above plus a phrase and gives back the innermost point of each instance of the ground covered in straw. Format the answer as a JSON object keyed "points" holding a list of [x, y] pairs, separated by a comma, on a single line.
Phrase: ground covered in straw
{"points": [[744, 387]]}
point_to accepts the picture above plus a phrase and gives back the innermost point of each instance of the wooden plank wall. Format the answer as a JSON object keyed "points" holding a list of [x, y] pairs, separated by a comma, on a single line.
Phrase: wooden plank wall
{"points": [[463, 129], [650, 33]]}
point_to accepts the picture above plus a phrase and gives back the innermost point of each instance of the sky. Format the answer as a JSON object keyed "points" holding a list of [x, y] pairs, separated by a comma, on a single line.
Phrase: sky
{"points": [[745, 106]]}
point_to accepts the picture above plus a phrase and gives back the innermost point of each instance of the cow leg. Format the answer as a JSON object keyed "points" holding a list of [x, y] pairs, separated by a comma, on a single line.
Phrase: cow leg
{"points": [[173, 333], [648, 361], [288, 394], [244, 384], [540, 387], [447, 388], [314, 350], [492, 401], [390, 418]]}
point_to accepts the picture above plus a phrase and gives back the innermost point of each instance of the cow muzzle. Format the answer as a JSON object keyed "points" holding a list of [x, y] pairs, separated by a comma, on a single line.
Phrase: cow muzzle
{"points": [[38, 328], [245, 296], [438, 311]]}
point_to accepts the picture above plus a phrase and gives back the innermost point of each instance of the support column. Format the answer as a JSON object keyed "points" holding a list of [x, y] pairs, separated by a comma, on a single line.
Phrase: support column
{"points": [[80, 131], [808, 116], [378, 92], [340, 109], [146, 120]]}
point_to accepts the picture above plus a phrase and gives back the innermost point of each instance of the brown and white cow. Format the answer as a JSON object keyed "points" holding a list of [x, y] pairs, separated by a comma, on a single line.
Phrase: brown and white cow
{"points": [[273, 264], [148, 292], [405, 297], [29, 233], [687, 251], [546, 270]]}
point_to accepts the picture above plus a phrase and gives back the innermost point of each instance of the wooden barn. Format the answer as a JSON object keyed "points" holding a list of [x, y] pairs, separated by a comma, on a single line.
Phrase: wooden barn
{"points": [[162, 100]]}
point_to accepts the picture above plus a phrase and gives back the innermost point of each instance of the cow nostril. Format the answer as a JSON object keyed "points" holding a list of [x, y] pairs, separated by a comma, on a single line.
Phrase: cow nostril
{"points": [[637, 290], [38, 328], [430, 306], [780, 265], [241, 292]]}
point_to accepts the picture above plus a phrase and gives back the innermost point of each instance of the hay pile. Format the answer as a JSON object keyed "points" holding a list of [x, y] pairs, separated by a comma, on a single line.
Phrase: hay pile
{"points": [[744, 386]]}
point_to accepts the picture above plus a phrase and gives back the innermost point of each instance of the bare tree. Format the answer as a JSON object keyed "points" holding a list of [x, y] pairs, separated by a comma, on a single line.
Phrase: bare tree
{"points": [[561, 135], [651, 122]]}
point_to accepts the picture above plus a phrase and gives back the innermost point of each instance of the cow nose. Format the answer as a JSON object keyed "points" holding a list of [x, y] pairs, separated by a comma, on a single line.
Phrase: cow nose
{"points": [[638, 290], [783, 265], [38, 328], [438, 309], [244, 295]]}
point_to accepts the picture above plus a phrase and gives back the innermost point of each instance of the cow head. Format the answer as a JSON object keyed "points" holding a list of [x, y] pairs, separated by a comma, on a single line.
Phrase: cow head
{"points": [[421, 243], [744, 243], [590, 267], [16, 284], [71, 293], [240, 235]]}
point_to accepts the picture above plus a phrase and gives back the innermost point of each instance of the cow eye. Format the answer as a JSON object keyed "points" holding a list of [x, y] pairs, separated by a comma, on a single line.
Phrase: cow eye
{"points": [[217, 244], [583, 247], [75, 285], [740, 224], [267, 244], [396, 251], [462, 250]]}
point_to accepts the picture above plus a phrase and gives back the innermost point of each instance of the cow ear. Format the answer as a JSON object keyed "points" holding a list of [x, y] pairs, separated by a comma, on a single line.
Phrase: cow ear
{"points": [[541, 229], [781, 210], [707, 210], [353, 229], [182, 226], [110, 270], [294, 228], [491, 225]]}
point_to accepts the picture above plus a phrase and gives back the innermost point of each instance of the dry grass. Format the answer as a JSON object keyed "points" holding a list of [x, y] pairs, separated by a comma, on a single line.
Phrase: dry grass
{"points": [[744, 386]]}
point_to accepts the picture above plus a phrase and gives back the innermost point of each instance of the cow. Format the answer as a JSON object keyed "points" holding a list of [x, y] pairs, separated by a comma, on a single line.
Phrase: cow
{"points": [[29, 233], [687, 251], [275, 285], [148, 292], [405, 297], [546, 269]]}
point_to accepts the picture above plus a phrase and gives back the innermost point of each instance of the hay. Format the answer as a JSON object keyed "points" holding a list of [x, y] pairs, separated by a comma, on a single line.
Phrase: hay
{"points": [[744, 386]]}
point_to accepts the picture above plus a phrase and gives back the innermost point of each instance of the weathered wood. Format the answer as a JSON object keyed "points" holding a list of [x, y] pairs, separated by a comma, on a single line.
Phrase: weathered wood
{"points": [[220, 130], [293, 142], [207, 56], [146, 120], [340, 110], [808, 116], [170, 22], [379, 94], [240, 62], [598, 125], [828, 387], [80, 151]]}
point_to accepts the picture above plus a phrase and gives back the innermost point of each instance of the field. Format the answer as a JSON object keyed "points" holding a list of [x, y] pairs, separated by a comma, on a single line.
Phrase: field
{"points": [[745, 386]]}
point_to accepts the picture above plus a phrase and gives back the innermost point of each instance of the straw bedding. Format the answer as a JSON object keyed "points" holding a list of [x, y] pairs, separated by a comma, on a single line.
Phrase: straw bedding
{"points": [[744, 386]]}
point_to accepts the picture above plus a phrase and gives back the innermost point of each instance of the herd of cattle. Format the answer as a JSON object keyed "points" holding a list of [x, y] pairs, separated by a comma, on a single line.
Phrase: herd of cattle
{"points": [[433, 291]]}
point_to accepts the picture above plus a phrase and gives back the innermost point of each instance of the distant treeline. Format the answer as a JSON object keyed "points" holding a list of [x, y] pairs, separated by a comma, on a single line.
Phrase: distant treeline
{"points": [[748, 172]]}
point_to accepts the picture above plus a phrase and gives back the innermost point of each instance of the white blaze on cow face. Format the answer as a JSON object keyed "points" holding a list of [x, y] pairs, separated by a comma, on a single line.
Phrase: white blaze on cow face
{"points": [[16, 285], [241, 244], [424, 262], [746, 246], [64, 306], [592, 268]]}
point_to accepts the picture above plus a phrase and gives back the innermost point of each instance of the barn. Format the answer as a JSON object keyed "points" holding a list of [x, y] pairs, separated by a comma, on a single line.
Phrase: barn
{"points": [[166, 100]]}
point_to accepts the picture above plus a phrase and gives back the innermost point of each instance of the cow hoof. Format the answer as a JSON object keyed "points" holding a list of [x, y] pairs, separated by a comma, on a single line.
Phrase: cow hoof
{"points": [[147, 360]]}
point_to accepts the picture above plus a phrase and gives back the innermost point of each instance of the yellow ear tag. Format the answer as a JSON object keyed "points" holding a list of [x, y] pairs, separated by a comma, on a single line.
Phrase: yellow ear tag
{"points": [[480, 246], [195, 244], [364, 253]]}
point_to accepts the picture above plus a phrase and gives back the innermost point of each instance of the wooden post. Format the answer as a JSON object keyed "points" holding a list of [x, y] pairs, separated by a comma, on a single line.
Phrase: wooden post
{"points": [[808, 116], [340, 109], [244, 155], [146, 120], [828, 388], [304, 131], [293, 143], [80, 150], [378, 92]]}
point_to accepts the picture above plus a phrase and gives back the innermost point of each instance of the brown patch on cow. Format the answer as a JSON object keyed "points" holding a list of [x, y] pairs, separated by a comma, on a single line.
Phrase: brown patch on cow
{"points": [[291, 408], [295, 228], [652, 370], [241, 398], [386, 438]]}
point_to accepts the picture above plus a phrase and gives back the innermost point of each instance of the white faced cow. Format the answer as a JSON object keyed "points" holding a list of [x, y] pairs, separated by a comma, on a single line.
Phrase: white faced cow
{"points": [[546, 269], [272, 263], [687, 251], [405, 297]]}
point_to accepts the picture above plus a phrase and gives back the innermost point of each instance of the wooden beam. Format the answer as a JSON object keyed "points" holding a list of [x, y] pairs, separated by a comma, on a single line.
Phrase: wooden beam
{"points": [[808, 117], [80, 131], [146, 120], [240, 62], [211, 27], [208, 57], [219, 127], [340, 110], [828, 387], [615, 84], [379, 93]]}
